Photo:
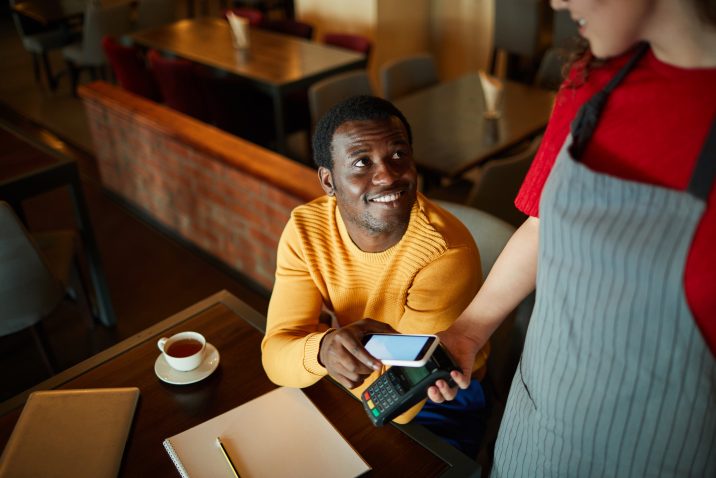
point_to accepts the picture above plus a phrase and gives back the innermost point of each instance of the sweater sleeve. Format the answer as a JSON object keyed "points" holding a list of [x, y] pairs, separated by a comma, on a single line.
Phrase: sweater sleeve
{"points": [[441, 291], [293, 329], [438, 295]]}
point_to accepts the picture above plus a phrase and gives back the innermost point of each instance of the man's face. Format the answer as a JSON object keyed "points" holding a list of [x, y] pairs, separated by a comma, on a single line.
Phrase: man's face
{"points": [[373, 177]]}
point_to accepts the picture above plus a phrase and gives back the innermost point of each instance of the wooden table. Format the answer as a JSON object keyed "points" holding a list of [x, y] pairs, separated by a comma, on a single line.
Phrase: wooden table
{"points": [[450, 132], [236, 331], [274, 63], [20, 181]]}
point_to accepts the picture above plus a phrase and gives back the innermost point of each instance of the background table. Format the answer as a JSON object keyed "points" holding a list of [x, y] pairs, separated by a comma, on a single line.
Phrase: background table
{"points": [[235, 329], [450, 132], [274, 63]]}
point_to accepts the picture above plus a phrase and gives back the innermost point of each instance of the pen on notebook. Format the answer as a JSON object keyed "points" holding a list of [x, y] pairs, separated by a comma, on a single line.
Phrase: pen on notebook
{"points": [[227, 457]]}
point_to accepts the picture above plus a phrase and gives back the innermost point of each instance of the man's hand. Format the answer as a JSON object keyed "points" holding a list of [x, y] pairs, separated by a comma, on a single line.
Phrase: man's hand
{"points": [[343, 354], [463, 350]]}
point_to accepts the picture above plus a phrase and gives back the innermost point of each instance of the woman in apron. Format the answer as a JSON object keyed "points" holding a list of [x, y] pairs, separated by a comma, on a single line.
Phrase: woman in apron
{"points": [[618, 372]]}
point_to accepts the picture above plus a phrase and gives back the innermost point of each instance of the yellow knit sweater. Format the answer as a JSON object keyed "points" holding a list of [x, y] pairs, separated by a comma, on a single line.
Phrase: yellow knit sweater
{"points": [[420, 285]]}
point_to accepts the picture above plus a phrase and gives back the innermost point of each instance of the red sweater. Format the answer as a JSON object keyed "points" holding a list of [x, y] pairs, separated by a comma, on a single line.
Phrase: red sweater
{"points": [[652, 130]]}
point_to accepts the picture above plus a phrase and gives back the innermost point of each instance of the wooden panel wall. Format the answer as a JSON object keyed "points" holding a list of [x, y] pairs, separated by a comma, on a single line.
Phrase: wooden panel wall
{"points": [[227, 196], [457, 32]]}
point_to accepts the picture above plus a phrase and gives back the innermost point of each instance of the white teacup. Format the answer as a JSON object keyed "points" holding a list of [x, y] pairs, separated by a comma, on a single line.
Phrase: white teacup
{"points": [[183, 351]]}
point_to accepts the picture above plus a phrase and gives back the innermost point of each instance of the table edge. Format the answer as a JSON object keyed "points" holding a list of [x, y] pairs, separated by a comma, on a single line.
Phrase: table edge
{"points": [[222, 297]]}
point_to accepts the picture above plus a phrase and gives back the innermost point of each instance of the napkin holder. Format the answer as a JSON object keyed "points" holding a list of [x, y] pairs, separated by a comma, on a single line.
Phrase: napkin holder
{"points": [[492, 91], [239, 30]]}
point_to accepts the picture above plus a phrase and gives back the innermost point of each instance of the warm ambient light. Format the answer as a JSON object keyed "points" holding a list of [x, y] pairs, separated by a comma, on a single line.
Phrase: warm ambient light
{"points": [[53, 141]]}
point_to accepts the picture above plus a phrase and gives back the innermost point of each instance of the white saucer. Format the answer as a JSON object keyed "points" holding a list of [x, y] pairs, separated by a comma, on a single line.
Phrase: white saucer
{"points": [[175, 377]]}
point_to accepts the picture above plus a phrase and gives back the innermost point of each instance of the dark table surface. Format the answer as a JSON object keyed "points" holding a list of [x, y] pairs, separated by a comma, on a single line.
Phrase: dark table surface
{"points": [[274, 63], [165, 410], [450, 132]]}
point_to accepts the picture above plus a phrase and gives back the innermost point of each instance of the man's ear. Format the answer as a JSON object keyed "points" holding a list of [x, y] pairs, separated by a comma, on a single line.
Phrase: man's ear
{"points": [[326, 179]]}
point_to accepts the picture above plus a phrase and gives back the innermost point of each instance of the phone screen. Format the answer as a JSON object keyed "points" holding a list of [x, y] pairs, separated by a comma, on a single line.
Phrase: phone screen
{"points": [[396, 347]]}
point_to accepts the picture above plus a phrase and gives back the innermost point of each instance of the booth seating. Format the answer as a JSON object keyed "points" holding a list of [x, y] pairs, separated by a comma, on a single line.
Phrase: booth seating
{"points": [[179, 85], [223, 195], [130, 68]]}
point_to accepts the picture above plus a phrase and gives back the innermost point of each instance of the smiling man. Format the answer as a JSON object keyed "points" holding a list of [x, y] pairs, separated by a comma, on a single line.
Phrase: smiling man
{"points": [[373, 255]]}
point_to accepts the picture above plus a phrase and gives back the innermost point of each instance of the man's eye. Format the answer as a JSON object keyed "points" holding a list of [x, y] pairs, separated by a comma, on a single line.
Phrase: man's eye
{"points": [[398, 155], [361, 163]]}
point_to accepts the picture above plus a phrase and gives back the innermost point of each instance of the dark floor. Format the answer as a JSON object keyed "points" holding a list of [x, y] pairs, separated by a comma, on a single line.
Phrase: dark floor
{"points": [[150, 276]]}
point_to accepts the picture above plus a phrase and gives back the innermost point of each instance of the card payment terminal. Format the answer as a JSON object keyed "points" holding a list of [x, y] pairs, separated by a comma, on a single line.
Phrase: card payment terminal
{"points": [[400, 388]]}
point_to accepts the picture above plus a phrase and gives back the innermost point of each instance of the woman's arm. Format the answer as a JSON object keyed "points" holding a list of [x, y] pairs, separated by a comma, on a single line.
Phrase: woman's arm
{"points": [[511, 279]]}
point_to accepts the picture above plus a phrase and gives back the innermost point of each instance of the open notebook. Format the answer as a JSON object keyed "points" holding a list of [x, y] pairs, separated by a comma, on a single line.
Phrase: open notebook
{"points": [[77, 433], [281, 433]]}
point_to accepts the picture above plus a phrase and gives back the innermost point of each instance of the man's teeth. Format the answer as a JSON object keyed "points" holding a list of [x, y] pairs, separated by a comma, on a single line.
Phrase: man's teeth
{"points": [[387, 198]]}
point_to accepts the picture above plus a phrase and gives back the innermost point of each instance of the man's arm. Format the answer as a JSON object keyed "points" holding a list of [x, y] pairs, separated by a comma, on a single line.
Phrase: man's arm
{"points": [[293, 330], [437, 296]]}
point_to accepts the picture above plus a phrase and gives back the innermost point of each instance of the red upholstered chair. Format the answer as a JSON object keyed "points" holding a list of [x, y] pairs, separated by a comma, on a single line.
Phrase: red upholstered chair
{"points": [[130, 69], [289, 27], [234, 106], [253, 15], [357, 43], [179, 85]]}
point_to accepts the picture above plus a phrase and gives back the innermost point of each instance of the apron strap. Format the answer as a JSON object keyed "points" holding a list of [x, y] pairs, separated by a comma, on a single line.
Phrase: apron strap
{"points": [[586, 120], [702, 178]]}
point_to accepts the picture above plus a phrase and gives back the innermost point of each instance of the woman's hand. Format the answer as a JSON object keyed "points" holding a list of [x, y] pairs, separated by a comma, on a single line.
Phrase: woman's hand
{"points": [[463, 350], [343, 354]]}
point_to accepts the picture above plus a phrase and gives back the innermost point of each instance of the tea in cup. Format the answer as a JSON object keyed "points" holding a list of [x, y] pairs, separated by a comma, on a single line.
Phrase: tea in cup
{"points": [[183, 351]]}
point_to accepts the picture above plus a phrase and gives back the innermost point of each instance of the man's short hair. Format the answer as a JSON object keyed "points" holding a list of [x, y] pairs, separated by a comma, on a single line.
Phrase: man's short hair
{"points": [[356, 108]]}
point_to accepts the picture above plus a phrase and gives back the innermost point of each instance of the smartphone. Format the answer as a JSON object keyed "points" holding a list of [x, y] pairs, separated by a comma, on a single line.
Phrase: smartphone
{"points": [[406, 350]]}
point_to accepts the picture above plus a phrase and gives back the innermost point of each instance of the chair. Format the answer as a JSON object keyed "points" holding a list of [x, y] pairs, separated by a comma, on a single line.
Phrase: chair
{"points": [[233, 105], [253, 15], [152, 13], [408, 74], [498, 183], [330, 91], [38, 41], [518, 36], [179, 85], [357, 43], [564, 29], [490, 233], [98, 22], [36, 272], [289, 27], [549, 74], [130, 69]]}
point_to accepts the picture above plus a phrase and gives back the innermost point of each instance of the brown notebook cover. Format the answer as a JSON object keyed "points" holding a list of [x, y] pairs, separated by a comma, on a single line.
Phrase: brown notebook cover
{"points": [[77, 433]]}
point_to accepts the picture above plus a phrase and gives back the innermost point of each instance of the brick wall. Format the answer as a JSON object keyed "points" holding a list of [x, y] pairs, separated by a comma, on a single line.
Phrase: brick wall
{"points": [[227, 196]]}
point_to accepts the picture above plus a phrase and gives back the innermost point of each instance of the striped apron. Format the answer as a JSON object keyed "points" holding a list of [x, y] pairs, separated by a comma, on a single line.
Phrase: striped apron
{"points": [[615, 378]]}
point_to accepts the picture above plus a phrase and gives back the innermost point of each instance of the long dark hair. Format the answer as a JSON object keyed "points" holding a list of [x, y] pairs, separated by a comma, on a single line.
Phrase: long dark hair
{"points": [[580, 56]]}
